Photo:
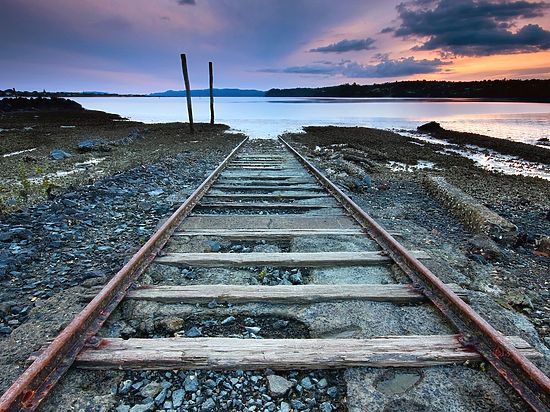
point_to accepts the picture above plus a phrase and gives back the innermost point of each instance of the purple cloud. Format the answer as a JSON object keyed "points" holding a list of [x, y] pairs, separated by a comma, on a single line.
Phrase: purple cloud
{"points": [[385, 69], [346, 46]]}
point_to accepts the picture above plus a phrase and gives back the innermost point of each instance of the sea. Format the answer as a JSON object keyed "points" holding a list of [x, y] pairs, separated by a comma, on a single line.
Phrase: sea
{"points": [[267, 118]]}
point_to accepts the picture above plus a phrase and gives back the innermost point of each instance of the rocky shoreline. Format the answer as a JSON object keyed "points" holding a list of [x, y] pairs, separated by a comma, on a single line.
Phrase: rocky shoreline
{"points": [[525, 151]]}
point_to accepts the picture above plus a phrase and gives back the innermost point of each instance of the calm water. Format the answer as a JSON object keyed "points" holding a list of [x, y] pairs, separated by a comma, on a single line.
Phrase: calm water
{"points": [[263, 117]]}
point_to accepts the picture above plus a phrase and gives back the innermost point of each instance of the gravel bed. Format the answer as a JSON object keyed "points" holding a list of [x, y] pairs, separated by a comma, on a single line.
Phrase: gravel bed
{"points": [[84, 235], [266, 275], [207, 244], [232, 326], [231, 391]]}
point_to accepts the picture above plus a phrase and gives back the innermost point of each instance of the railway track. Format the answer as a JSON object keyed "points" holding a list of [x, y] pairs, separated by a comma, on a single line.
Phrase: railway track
{"points": [[275, 229]]}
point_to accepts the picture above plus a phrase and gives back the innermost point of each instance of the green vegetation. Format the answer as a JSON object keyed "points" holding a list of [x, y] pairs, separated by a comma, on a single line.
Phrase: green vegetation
{"points": [[526, 90], [24, 181], [25, 190]]}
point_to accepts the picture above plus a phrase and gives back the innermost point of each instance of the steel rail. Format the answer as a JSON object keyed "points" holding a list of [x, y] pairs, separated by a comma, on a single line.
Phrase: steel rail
{"points": [[32, 386], [528, 381]]}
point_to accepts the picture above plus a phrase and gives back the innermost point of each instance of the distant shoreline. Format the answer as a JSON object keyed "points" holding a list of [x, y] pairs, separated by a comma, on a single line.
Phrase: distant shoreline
{"points": [[319, 98], [532, 90]]}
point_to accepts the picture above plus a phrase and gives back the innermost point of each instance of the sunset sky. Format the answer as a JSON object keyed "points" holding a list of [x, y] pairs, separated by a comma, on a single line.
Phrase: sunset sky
{"points": [[134, 45]]}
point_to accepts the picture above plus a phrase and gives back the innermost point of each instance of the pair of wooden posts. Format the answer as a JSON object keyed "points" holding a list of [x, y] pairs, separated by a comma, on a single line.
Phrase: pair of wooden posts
{"points": [[188, 92]]}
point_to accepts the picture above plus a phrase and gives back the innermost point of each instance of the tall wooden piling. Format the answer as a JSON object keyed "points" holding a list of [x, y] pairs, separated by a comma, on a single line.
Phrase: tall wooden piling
{"points": [[187, 92], [211, 75]]}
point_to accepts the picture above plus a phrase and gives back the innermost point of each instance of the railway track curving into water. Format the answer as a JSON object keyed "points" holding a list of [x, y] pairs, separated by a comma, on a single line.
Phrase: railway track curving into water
{"points": [[261, 195]]}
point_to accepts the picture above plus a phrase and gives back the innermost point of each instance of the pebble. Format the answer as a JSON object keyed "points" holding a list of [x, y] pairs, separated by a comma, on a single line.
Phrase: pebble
{"points": [[278, 385], [160, 398], [332, 391], [284, 407], [191, 384], [145, 407], [208, 405], [326, 407], [297, 404], [228, 320], [306, 383], [280, 324], [125, 386], [194, 332], [150, 390], [155, 193], [177, 397], [213, 245]]}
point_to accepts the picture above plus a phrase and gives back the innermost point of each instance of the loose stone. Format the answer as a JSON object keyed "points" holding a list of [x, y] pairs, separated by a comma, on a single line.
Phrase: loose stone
{"points": [[278, 385]]}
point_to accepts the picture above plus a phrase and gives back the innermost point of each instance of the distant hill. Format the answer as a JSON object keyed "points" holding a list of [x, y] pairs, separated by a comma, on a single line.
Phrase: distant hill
{"points": [[532, 90], [206, 92], [168, 93]]}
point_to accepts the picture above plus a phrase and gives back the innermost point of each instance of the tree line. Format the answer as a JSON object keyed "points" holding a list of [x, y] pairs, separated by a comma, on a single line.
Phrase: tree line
{"points": [[533, 90]]}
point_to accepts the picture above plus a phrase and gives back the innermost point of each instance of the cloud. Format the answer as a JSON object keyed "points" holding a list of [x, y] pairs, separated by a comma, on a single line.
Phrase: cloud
{"points": [[394, 68], [324, 68], [386, 68], [346, 46], [473, 27], [184, 2]]}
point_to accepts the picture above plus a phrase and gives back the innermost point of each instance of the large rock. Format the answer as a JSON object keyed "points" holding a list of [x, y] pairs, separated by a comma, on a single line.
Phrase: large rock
{"points": [[278, 386], [93, 145], [470, 211], [58, 154], [430, 127]]}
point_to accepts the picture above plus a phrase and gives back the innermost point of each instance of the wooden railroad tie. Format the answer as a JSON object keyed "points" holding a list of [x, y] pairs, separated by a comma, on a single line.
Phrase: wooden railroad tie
{"points": [[255, 234], [321, 259], [287, 221], [280, 354], [282, 294]]}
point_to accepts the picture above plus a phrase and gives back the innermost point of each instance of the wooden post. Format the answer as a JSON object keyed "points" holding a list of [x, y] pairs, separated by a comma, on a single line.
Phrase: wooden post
{"points": [[211, 73], [187, 92]]}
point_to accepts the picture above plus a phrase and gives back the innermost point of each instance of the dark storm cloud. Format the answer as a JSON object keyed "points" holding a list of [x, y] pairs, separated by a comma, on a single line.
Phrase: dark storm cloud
{"points": [[386, 68], [473, 27], [183, 2], [346, 46]]}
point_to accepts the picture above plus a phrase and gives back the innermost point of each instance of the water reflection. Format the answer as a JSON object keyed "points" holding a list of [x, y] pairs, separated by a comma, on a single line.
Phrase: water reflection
{"points": [[261, 117]]}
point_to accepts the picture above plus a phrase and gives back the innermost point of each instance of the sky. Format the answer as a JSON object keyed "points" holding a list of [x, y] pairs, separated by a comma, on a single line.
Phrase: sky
{"points": [[133, 46]]}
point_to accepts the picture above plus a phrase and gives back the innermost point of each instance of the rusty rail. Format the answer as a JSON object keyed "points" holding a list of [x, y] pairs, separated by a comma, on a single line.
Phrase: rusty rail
{"points": [[528, 381], [40, 377]]}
